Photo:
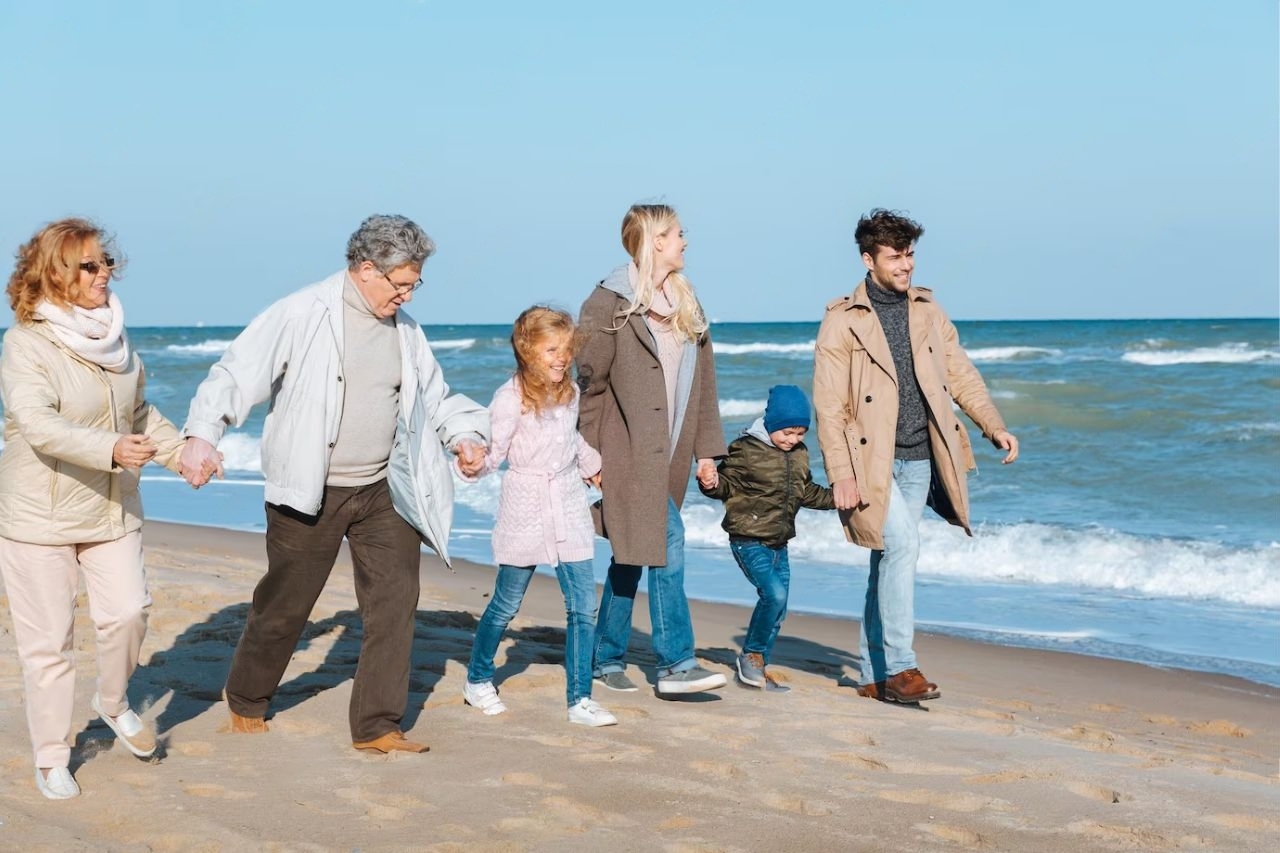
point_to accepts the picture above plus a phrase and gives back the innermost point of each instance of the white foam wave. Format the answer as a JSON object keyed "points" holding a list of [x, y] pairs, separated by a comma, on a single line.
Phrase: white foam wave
{"points": [[741, 408], [454, 343], [241, 452], [755, 348], [1010, 353], [1043, 554], [210, 347], [1237, 353]]}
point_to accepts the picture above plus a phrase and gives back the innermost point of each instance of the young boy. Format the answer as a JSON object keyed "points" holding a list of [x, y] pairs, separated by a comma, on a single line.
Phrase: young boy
{"points": [[764, 481]]}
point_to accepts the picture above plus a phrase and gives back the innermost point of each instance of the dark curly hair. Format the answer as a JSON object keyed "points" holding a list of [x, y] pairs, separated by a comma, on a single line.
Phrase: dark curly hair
{"points": [[889, 228]]}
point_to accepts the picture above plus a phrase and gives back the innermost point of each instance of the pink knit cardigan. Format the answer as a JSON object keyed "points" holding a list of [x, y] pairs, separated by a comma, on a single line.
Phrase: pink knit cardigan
{"points": [[543, 513]]}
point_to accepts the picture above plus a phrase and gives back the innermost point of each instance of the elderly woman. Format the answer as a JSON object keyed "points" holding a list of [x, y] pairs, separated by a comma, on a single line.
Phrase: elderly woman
{"points": [[76, 430]]}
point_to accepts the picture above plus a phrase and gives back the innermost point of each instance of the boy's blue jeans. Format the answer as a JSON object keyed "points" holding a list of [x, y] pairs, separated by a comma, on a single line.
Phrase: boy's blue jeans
{"points": [[668, 609], [577, 582], [769, 571]]}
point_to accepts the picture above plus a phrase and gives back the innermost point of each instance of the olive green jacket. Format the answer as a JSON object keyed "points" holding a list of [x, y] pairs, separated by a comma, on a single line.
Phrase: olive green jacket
{"points": [[763, 487]]}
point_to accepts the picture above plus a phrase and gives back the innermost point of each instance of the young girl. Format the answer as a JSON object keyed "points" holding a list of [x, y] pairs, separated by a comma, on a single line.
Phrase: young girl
{"points": [[543, 514]]}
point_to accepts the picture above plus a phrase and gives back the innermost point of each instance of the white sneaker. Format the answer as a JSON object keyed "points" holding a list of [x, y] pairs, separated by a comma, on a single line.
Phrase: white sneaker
{"points": [[693, 680], [483, 696], [58, 785], [589, 713]]}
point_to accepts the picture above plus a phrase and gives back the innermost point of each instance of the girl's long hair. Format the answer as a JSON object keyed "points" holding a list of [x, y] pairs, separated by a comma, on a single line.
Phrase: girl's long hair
{"points": [[640, 226], [528, 337]]}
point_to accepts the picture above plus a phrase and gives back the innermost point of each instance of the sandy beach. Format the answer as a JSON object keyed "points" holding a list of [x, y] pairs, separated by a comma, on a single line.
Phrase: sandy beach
{"points": [[1025, 751]]}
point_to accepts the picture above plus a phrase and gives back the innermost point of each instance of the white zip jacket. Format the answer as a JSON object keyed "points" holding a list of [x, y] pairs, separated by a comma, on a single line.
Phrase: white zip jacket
{"points": [[291, 354]]}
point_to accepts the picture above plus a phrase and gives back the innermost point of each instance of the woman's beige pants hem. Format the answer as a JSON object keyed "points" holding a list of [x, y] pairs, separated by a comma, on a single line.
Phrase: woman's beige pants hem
{"points": [[41, 582]]}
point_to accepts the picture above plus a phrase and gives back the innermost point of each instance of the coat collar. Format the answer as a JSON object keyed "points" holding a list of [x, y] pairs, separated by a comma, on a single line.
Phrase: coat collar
{"points": [[865, 325]]}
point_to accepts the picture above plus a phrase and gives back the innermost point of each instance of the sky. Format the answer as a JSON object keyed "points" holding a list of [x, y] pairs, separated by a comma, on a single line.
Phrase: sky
{"points": [[1068, 160]]}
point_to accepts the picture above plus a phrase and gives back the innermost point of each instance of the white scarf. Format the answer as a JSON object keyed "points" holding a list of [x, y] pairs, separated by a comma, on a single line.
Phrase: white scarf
{"points": [[94, 334]]}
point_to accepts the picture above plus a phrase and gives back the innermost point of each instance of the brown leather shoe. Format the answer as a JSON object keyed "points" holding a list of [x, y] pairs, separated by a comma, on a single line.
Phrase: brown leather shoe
{"points": [[909, 686], [392, 741], [247, 725], [874, 690]]}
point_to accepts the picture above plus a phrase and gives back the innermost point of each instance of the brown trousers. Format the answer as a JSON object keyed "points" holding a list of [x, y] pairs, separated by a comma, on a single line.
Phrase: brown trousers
{"points": [[300, 554]]}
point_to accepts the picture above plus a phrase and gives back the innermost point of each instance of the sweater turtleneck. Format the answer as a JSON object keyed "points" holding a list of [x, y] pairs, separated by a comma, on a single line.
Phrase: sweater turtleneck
{"points": [[891, 307]]}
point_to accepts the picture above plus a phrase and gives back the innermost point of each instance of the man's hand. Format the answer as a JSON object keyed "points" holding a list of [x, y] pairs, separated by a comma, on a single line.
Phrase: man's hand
{"points": [[593, 480], [1006, 440], [200, 462], [846, 494], [708, 476], [470, 457], [133, 451]]}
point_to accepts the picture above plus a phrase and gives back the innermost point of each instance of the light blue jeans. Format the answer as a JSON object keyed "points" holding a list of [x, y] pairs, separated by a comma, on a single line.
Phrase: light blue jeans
{"points": [[888, 619], [769, 570], [577, 582], [668, 609]]}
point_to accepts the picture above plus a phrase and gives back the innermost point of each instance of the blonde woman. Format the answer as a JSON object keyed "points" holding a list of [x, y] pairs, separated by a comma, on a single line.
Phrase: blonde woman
{"points": [[648, 404], [77, 428]]}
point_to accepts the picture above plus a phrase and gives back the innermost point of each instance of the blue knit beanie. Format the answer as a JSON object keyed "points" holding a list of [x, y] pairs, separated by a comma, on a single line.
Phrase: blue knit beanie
{"points": [[787, 407]]}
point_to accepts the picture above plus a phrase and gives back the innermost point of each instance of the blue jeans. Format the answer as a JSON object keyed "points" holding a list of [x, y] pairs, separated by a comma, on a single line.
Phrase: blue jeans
{"points": [[769, 571], [888, 619], [668, 609], [577, 582]]}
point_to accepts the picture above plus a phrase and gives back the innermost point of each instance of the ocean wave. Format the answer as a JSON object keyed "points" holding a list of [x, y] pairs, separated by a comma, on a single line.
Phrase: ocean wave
{"points": [[241, 452], [211, 347], [1044, 554], [766, 348], [454, 343], [1237, 353], [1010, 353], [741, 408]]}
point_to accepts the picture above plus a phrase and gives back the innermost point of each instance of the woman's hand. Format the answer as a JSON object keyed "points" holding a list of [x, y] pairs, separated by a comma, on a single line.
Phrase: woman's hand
{"points": [[133, 451], [708, 476]]}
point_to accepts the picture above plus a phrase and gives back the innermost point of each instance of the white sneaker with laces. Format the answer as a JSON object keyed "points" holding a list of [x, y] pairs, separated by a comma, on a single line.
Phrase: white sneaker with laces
{"points": [[58, 785], [589, 713], [483, 696]]}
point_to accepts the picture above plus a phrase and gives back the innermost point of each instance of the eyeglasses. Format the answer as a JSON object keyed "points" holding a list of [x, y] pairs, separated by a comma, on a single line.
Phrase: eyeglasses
{"points": [[94, 267], [408, 287]]}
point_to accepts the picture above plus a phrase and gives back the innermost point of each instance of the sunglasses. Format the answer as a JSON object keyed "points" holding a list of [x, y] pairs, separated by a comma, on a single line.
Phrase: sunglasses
{"points": [[93, 267]]}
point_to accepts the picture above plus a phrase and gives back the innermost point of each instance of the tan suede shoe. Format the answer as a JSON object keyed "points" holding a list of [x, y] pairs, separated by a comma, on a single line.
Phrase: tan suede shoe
{"points": [[247, 725], [392, 741]]}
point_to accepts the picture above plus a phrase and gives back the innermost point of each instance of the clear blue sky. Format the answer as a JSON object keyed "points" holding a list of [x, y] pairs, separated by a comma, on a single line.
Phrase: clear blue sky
{"points": [[1069, 160]]}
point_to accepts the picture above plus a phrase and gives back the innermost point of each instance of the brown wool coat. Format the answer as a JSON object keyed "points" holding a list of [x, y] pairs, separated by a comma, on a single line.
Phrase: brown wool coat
{"points": [[855, 398], [623, 414]]}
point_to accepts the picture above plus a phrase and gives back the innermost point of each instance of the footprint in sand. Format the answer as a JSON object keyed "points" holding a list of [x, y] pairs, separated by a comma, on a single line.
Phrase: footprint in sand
{"points": [[559, 815], [1129, 837], [209, 789], [1004, 777], [1095, 792], [797, 805], [961, 802], [860, 761], [967, 838], [1247, 821], [719, 769], [677, 822], [190, 748], [530, 780]]}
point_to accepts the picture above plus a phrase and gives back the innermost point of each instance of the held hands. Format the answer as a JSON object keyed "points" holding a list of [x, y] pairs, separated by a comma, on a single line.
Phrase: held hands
{"points": [[593, 480], [708, 476], [1006, 440], [846, 494], [199, 462], [133, 451], [470, 457]]}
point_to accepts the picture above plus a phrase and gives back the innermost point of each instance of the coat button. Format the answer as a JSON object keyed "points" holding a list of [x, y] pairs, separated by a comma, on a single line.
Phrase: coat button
{"points": [[331, 445], [868, 398], [957, 427], [339, 378], [862, 441]]}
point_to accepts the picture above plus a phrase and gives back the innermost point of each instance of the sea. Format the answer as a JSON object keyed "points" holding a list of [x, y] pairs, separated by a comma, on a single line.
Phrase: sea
{"points": [[1141, 522]]}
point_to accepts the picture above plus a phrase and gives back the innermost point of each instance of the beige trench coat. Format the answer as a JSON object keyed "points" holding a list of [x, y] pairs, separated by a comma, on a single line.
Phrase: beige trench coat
{"points": [[62, 417], [855, 397], [623, 414]]}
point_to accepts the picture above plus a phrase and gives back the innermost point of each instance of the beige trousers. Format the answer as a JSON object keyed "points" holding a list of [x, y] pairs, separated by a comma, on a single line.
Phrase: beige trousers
{"points": [[41, 582]]}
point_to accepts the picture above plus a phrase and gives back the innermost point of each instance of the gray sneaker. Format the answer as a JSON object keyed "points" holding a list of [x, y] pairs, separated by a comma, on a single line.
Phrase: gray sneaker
{"points": [[751, 669], [617, 681], [693, 680]]}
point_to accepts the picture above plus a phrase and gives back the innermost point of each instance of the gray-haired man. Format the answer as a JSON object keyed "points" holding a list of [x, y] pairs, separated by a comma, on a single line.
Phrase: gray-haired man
{"points": [[353, 446]]}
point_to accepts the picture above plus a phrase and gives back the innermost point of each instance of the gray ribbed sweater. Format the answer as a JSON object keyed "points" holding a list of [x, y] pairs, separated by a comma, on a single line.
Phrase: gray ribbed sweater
{"points": [[913, 423]]}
